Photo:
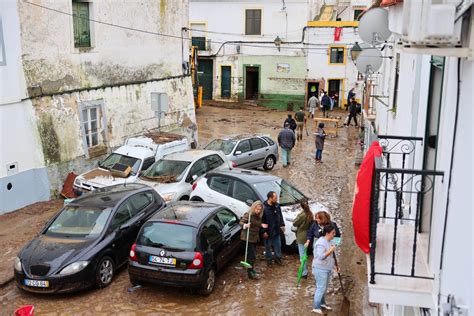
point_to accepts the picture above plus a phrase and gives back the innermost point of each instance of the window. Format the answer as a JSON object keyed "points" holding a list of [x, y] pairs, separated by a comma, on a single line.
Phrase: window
{"points": [[212, 230], [3, 60], [257, 143], [243, 192], [82, 31], [395, 83], [198, 169], [200, 42], [198, 35], [357, 14], [123, 214], [269, 140], [336, 55], [243, 146], [220, 184], [213, 162], [227, 219], [140, 201], [253, 22], [167, 235], [93, 122], [147, 163]]}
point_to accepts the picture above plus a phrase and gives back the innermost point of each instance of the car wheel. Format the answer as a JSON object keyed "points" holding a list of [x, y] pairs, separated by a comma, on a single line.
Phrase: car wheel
{"points": [[208, 286], [184, 198], [269, 163], [105, 272], [197, 199]]}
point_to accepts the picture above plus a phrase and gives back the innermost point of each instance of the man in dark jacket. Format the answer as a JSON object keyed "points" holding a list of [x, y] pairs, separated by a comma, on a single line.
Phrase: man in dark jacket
{"points": [[273, 224], [325, 103], [291, 121], [286, 140], [353, 107]]}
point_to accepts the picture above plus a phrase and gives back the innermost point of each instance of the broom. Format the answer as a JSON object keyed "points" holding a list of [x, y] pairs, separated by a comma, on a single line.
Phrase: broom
{"points": [[345, 308], [244, 263]]}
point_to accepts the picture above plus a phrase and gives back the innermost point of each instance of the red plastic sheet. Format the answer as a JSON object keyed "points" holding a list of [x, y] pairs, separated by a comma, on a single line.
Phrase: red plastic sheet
{"points": [[337, 34], [387, 3], [362, 194]]}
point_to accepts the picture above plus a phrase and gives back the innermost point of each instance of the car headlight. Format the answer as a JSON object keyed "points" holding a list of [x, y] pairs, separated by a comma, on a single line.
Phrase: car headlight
{"points": [[17, 264], [74, 267], [168, 197]]}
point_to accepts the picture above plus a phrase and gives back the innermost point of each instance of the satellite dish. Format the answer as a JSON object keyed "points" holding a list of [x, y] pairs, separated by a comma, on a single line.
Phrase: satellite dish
{"points": [[369, 61], [373, 26]]}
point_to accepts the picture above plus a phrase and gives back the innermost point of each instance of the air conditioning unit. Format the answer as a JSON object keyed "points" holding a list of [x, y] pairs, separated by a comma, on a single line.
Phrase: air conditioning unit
{"points": [[422, 22]]}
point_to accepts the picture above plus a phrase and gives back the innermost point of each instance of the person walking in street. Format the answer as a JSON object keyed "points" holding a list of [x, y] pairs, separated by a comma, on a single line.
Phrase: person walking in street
{"points": [[273, 225], [313, 103], [323, 264], [353, 108], [286, 140], [325, 103], [290, 120], [302, 224], [300, 122], [351, 94], [320, 137], [331, 99], [255, 214], [321, 219]]}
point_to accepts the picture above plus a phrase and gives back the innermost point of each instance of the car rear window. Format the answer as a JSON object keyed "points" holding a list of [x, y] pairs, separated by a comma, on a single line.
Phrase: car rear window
{"points": [[269, 140], [224, 145], [171, 236]]}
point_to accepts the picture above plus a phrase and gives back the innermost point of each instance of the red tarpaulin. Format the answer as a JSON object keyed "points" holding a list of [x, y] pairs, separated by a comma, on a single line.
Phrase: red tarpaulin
{"points": [[387, 3], [362, 193], [337, 34]]}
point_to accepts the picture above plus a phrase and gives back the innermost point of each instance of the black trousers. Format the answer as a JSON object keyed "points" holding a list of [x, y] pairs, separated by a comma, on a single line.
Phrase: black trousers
{"points": [[352, 115]]}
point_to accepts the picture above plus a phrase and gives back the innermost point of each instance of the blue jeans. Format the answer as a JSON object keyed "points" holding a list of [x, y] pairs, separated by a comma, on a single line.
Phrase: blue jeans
{"points": [[285, 156], [319, 154], [322, 280], [276, 243], [301, 252]]}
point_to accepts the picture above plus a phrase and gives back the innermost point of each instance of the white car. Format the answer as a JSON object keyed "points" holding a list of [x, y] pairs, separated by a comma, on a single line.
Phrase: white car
{"points": [[173, 175], [238, 188], [136, 155]]}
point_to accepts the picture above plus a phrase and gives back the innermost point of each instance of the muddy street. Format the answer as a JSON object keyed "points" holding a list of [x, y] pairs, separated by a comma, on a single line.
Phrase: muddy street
{"points": [[330, 183]]}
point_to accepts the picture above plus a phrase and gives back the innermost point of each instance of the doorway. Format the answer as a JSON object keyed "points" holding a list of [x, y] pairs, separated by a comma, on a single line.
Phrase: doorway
{"points": [[225, 81], [252, 75], [205, 67], [312, 88], [334, 89]]}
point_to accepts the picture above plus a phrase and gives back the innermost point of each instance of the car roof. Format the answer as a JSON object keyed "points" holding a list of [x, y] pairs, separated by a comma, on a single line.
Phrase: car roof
{"points": [[109, 196], [191, 213], [248, 176], [243, 136], [140, 152], [190, 155]]}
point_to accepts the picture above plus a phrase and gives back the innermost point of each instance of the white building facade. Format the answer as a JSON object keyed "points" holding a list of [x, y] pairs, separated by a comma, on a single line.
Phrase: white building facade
{"points": [[421, 260], [70, 97]]}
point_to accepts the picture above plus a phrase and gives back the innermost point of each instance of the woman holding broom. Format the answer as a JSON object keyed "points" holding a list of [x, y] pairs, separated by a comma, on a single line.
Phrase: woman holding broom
{"points": [[302, 224], [251, 223]]}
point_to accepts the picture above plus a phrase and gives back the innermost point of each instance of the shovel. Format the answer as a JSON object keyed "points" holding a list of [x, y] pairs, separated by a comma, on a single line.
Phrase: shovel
{"points": [[345, 302], [244, 263]]}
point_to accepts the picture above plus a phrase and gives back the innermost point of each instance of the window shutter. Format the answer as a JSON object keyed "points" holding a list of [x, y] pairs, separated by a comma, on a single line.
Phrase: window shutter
{"points": [[85, 33]]}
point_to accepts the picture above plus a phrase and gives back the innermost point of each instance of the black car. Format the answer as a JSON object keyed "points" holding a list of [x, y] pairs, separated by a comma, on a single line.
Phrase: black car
{"points": [[184, 245], [87, 240]]}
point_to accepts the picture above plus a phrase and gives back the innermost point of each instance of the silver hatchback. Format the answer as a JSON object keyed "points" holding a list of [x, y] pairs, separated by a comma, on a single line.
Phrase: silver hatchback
{"points": [[248, 151]]}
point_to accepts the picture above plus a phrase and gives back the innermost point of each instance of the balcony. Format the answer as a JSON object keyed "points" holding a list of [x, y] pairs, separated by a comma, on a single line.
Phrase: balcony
{"points": [[398, 263]]}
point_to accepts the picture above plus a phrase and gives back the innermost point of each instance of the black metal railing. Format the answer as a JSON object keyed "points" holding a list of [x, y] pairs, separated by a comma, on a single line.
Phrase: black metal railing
{"points": [[395, 191]]}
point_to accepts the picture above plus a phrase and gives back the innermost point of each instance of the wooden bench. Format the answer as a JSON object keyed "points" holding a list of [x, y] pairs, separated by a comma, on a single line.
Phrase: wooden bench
{"points": [[330, 125]]}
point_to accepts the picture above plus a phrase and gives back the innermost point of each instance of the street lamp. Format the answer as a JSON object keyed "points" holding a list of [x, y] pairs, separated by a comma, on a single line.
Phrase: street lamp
{"points": [[355, 51], [277, 42]]}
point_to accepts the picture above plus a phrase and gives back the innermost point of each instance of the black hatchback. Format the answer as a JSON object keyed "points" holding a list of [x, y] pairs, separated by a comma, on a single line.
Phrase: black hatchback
{"points": [[85, 242], [184, 245]]}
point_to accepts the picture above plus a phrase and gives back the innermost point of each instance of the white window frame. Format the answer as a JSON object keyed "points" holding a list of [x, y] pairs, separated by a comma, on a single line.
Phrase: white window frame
{"points": [[101, 124], [3, 57]]}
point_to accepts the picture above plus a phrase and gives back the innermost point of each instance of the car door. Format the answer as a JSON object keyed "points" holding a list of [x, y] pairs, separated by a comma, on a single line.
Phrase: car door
{"points": [[198, 169], [260, 149], [213, 161], [243, 154], [230, 233], [119, 245], [242, 197], [219, 190], [211, 231]]}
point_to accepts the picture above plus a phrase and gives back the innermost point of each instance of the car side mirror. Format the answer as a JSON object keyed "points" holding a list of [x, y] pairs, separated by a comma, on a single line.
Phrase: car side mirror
{"points": [[194, 177], [238, 152]]}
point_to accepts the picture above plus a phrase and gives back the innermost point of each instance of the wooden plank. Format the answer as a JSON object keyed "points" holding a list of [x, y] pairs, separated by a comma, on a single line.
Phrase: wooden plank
{"points": [[331, 125]]}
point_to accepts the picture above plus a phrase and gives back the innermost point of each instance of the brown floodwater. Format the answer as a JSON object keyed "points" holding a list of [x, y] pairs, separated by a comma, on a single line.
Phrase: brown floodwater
{"points": [[275, 293]]}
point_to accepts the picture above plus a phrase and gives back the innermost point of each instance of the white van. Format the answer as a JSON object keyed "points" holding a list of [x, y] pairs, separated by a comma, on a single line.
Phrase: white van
{"points": [[127, 162]]}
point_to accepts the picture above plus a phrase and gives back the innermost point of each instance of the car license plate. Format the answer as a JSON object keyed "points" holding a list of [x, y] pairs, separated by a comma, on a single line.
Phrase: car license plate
{"points": [[36, 283], [162, 260]]}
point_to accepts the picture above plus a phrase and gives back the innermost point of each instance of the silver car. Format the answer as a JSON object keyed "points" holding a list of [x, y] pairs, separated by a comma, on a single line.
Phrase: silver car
{"points": [[248, 151]]}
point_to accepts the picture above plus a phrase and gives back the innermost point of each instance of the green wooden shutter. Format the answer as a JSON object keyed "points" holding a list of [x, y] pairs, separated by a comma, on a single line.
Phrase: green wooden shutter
{"points": [[82, 33]]}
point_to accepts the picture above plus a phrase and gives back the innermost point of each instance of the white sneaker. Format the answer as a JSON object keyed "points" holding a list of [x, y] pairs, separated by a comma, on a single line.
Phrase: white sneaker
{"points": [[317, 311], [329, 308]]}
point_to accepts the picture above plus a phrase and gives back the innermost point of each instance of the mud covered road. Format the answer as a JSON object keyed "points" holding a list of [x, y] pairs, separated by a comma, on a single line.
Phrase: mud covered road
{"points": [[330, 183]]}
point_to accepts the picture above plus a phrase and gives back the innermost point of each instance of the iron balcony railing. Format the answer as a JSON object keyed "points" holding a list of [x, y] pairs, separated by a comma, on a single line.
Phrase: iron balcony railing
{"points": [[396, 192]]}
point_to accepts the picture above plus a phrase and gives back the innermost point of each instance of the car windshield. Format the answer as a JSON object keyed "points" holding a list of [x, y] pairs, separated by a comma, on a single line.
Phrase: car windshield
{"points": [[169, 236], [224, 145], [115, 158], [287, 194], [166, 171], [79, 221]]}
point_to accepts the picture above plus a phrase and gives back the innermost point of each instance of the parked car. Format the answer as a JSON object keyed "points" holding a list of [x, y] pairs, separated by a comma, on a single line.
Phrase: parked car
{"points": [[87, 240], [239, 188], [248, 151], [185, 245], [173, 175], [127, 162]]}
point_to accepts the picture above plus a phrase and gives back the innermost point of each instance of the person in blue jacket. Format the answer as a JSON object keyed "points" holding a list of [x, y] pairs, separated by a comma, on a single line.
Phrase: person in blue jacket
{"points": [[322, 218], [273, 224]]}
